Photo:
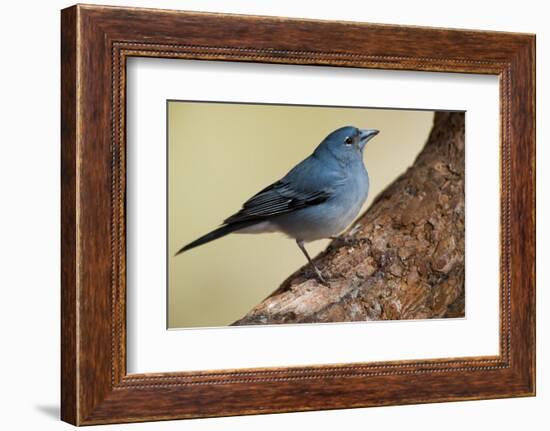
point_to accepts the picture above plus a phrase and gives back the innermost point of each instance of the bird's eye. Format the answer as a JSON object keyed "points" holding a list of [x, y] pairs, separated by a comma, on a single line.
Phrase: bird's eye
{"points": [[348, 140]]}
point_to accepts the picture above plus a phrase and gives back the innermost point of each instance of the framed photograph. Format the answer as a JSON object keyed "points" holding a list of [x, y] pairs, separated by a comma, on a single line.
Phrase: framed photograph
{"points": [[263, 214], [251, 147]]}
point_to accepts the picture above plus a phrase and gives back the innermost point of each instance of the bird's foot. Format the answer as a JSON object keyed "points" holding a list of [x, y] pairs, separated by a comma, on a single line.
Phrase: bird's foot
{"points": [[346, 240], [320, 277], [316, 272]]}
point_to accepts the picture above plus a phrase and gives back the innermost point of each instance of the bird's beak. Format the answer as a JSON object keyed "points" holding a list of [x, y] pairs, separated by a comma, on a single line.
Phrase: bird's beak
{"points": [[365, 135]]}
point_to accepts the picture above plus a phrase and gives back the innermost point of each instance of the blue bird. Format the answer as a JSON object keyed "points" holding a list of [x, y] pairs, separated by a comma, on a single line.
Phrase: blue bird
{"points": [[318, 198]]}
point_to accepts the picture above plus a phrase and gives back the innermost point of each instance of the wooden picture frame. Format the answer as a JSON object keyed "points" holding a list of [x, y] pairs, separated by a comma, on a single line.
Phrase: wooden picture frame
{"points": [[95, 43]]}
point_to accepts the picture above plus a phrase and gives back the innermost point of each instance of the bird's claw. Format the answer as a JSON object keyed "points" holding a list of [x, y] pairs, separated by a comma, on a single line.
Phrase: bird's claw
{"points": [[320, 277], [345, 240], [315, 272]]}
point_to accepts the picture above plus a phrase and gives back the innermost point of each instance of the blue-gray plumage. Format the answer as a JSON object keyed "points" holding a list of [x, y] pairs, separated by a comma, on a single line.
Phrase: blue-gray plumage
{"points": [[318, 198]]}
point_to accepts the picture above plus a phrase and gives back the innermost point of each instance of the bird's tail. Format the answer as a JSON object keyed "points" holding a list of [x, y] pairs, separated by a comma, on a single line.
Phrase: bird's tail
{"points": [[215, 234]]}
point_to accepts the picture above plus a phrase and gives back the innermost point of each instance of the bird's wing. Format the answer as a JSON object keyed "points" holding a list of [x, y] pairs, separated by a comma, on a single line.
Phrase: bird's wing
{"points": [[278, 198]]}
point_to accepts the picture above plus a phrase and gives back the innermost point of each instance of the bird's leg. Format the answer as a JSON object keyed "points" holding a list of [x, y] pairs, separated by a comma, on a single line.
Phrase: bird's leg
{"points": [[317, 271]]}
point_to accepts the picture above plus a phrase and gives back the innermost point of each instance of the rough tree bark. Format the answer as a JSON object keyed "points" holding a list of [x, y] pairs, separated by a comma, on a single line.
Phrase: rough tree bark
{"points": [[406, 256]]}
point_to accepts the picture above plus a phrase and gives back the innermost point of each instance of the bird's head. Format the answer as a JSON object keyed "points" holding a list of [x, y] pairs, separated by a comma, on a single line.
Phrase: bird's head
{"points": [[346, 143]]}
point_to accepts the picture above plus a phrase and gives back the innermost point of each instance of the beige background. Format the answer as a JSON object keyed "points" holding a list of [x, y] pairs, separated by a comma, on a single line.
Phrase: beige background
{"points": [[221, 154]]}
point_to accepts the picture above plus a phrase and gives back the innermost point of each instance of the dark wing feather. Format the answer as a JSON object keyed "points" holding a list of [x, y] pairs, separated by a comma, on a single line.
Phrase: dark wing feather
{"points": [[278, 198]]}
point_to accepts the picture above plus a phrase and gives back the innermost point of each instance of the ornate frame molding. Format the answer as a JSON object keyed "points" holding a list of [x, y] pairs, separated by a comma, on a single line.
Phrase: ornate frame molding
{"points": [[96, 41]]}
